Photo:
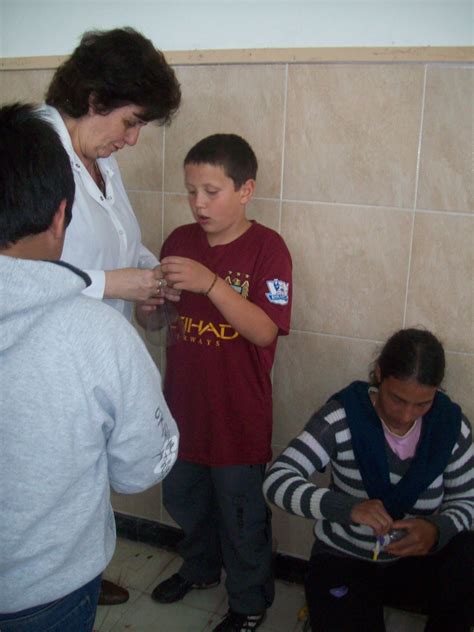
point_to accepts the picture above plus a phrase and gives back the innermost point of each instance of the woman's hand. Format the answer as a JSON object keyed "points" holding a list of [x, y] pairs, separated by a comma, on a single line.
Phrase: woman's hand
{"points": [[420, 539], [134, 284], [373, 514]]}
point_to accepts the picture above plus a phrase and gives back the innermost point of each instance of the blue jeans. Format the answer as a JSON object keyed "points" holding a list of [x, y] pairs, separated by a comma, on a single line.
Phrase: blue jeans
{"points": [[73, 613]]}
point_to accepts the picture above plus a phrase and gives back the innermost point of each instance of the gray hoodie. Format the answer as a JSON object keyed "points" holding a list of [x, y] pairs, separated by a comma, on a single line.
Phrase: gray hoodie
{"points": [[80, 407]]}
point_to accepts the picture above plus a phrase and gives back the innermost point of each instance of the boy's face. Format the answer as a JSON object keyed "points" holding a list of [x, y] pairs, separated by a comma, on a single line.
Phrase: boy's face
{"points": [[217, 207]]}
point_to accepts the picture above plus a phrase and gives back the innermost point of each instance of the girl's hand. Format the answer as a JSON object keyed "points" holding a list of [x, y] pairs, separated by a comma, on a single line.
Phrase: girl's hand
{"points": [[421, 538], [373, 514]]}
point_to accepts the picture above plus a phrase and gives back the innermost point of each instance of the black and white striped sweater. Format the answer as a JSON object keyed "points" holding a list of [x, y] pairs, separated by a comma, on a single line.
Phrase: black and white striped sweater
{"points": [[326, 440]]}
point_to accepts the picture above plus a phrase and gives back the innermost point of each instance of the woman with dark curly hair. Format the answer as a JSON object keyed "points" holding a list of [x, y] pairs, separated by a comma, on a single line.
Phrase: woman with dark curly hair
{"points": [[99, 99]]}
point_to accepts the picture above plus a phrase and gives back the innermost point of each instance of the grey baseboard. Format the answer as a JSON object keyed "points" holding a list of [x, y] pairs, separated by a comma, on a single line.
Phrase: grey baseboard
{"points": [[286, 567]]}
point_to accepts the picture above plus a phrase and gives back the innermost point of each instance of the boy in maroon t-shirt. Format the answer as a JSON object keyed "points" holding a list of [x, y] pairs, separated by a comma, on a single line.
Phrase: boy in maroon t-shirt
{"points": [[235, 277]]}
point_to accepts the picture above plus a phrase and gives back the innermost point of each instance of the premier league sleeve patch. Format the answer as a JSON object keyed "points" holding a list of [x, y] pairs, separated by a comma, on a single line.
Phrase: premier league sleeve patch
{"points": [[277, 292]]}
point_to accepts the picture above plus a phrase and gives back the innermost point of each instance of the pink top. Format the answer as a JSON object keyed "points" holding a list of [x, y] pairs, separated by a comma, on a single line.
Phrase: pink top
{"points": [[404, 446]]}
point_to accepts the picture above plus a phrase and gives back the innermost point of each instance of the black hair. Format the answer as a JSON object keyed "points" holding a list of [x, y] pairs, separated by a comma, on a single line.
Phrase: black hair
{"points": [[412, 354], [35, 174], [112, 69], [229, 151]]}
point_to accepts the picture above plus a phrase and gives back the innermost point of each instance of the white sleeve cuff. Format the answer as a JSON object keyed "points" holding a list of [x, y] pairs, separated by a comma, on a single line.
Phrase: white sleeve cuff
{"points": [[97, 288]]}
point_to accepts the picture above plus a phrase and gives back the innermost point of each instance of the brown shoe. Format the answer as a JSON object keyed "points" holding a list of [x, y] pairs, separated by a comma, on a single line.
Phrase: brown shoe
{"points": [[111, 594]]}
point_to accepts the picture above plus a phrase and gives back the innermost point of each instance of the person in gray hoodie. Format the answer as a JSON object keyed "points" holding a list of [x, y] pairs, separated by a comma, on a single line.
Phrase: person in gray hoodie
{"points": [[81, 406]]}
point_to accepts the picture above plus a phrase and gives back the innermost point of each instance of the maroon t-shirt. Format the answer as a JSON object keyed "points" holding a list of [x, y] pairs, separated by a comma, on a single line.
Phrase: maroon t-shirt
{"points": [[217, 383]]}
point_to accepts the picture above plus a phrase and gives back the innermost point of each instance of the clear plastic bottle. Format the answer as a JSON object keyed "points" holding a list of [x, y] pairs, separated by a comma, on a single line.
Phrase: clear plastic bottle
{"points": [[164, 325], [392, 536]]}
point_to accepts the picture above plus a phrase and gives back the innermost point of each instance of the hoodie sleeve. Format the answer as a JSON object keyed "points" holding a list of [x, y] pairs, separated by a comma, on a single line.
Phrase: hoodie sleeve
{"points": [[141, 434]]}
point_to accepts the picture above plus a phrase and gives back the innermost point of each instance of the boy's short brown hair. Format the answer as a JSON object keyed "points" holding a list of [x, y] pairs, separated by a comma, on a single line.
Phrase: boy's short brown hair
{"points": [[229, 151]]}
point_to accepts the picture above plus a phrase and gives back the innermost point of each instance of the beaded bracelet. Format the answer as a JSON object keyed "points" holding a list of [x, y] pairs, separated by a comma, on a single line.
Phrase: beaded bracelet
{"points": [[214, 281]]}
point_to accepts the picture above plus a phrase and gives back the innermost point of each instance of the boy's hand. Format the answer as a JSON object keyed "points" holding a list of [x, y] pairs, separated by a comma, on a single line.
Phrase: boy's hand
{"points": [[182, 273], [248, 319], [171, 294]]}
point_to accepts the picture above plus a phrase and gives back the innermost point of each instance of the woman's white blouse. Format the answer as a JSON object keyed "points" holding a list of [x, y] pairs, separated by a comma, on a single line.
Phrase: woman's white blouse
{"points": [[104, 233]]}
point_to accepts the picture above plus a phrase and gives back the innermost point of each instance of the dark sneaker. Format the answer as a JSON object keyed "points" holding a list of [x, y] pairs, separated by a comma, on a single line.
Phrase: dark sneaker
{"points": [[235, 622], [175, 587]]}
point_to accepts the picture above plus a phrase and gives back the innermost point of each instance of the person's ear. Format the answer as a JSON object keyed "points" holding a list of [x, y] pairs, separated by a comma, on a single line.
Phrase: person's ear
{"points": [[58, 225], [247, 190], [378, 374], [92, 103]]}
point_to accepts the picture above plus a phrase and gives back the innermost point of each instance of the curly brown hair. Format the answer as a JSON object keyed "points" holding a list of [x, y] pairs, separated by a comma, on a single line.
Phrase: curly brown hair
{"points": [[111, 69]]}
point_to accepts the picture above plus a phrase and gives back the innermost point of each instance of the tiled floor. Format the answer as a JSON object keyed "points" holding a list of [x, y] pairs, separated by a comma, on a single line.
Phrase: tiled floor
{"points": [[139, 567]]}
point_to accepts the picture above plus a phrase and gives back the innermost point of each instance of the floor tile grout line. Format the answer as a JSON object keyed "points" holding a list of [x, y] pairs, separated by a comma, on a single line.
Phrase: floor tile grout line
{"points": [[212, 614], [170, 561]]}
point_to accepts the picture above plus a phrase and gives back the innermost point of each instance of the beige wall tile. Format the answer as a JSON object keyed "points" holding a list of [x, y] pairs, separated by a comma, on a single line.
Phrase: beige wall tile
{"points": [[176, 213], [147, 504], [350, 268], [142, 166], [293, 534], [244, 100], [148, 209], [266, 212], [309, 368], [440, 295], [24, 85], [352, 133], [166, 518], [459, 381], [446, 181]]}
